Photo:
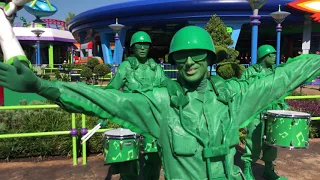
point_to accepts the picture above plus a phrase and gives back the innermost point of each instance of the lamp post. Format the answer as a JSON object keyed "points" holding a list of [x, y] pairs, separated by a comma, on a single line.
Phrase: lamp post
{"points": [[255, 5], [38, 33], [118, 50], [279, 17]]}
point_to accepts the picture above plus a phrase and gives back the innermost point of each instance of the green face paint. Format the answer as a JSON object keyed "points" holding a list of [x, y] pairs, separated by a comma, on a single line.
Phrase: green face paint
{"points": [[141, 50], [192, 64], [270, 60]]}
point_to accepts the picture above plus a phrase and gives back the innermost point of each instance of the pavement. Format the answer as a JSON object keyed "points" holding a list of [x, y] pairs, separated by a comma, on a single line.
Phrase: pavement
{"points": [[301, 164]]}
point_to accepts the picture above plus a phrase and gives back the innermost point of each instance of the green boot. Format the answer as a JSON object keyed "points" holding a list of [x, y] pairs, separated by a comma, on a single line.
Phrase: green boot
{"points": [[269, 173], [247, 171]]}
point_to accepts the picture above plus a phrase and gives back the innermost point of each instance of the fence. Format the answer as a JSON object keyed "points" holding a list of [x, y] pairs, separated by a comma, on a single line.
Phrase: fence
{"points": [[74, 131]]}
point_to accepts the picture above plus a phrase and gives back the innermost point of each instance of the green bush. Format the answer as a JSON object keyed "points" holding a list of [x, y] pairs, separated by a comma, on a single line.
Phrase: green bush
{"points": [[44, 120], [229, 70], [92, 63]]}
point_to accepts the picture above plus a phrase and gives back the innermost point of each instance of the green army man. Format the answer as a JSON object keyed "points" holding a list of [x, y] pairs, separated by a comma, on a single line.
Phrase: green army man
{"points": [[194, 120], [139, 72], [254, 145]]}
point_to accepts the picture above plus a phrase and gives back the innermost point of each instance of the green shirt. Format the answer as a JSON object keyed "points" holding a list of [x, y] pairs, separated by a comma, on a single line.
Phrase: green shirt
{"points": [[208, 116], [132, 75]]}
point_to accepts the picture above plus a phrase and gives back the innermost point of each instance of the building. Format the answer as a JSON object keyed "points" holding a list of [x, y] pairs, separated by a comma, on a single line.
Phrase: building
{"points": [[161, 19]]}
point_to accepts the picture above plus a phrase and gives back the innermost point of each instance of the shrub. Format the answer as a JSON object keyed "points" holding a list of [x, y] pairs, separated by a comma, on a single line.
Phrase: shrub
{"points": [[92, 63], [229, 70]]}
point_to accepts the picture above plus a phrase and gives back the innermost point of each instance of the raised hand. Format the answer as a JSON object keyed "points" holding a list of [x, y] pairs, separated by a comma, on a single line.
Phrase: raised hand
{"points": [[18, 77]]}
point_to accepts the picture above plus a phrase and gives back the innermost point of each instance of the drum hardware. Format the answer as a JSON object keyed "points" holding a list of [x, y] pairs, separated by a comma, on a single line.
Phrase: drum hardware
{"points": [[134, 141], [121, 142], [307, 143], [309, 121], [264, 117], [264, 137], [107, 143], [153, 143], [291, 145]]}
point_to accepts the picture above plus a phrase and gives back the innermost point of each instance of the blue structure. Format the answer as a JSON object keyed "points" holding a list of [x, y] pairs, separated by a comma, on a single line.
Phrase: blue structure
{"points": [[161, 19], [278, 29]]}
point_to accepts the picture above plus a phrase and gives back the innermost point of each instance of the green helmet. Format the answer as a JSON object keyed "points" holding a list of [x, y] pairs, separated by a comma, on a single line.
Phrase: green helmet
{"points": [[265, 50], [192, 37], [140, 36]]}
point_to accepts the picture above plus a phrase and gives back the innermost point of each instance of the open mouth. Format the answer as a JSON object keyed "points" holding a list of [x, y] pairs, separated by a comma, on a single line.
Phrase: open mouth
{"points": [[191, 71]]}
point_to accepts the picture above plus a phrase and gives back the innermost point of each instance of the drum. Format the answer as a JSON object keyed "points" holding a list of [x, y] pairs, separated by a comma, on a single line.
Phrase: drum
{"points": [[287, 129], [120, 145], [149, 144]]}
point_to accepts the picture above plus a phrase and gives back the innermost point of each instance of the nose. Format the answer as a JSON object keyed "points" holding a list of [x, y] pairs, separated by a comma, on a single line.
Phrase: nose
{"points": [[189, 61], [142, 47]]}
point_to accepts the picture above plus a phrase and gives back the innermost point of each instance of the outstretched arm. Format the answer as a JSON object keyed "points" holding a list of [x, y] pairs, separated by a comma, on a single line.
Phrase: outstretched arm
{"points": [[138, 112], [256, 93]]}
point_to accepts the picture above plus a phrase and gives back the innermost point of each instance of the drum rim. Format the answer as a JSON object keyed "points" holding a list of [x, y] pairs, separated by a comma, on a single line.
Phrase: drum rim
{"points": [[286, 147], [122, 137], [289, 116]]}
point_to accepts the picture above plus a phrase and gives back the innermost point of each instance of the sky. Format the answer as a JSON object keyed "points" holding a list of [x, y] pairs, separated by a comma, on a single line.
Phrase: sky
{"points": [[73, 6]]}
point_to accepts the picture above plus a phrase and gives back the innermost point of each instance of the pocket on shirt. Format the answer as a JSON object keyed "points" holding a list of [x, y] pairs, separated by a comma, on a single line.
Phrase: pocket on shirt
{"points": [[184, 144]]}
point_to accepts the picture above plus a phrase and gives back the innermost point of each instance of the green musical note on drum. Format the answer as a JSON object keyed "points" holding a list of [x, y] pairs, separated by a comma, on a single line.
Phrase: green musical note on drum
{"points": [[281, 120], [148, 147], [302, 139], [115, 158], [130, 153], [116, 145], [284, 134]]}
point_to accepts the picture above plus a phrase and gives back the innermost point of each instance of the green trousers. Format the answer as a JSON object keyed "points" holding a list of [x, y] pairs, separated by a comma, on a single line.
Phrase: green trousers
{"points": [[254, 144], [128, 170], [150, 167]]}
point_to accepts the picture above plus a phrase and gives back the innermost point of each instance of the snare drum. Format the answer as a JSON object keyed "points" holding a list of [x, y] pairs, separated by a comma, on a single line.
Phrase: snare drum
{"points": [[120, 145], [149, 144], [287, 129]]}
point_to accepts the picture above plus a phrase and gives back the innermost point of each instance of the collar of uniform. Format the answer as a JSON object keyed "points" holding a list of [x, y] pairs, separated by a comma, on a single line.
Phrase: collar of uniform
{"points": [[203, 97], [135, 63]]}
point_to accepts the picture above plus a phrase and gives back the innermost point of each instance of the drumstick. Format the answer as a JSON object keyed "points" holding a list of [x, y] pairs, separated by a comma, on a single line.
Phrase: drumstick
{"points": [[91, 133]]}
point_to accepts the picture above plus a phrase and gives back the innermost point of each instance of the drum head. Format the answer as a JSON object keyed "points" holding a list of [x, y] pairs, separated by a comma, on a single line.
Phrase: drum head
{"points": [[121, 132], [285, 113]]}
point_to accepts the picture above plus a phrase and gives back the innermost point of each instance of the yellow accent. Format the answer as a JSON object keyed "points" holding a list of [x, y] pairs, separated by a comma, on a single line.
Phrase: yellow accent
{"points": [[308, 8]]}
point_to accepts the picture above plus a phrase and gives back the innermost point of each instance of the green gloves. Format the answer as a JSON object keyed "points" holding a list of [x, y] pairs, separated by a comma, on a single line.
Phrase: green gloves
{"points": [[103, 122], [18, 77]]}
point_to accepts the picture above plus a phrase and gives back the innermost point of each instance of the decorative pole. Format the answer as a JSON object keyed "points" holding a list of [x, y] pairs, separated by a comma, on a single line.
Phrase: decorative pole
{"points": [[118, 50], [255, 5], [38, 33], [279, 16]]}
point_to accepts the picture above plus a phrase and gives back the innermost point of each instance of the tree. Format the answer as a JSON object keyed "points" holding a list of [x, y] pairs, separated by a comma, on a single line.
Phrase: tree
{"points": [[69, 17], [101, 70], [86, 73], [92, 63], [221, 38]]}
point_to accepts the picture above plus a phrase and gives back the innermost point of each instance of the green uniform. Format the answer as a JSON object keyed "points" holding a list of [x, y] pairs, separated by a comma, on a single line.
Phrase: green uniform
{"points": [[132, 75], [206, 113], [254, 137]]}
